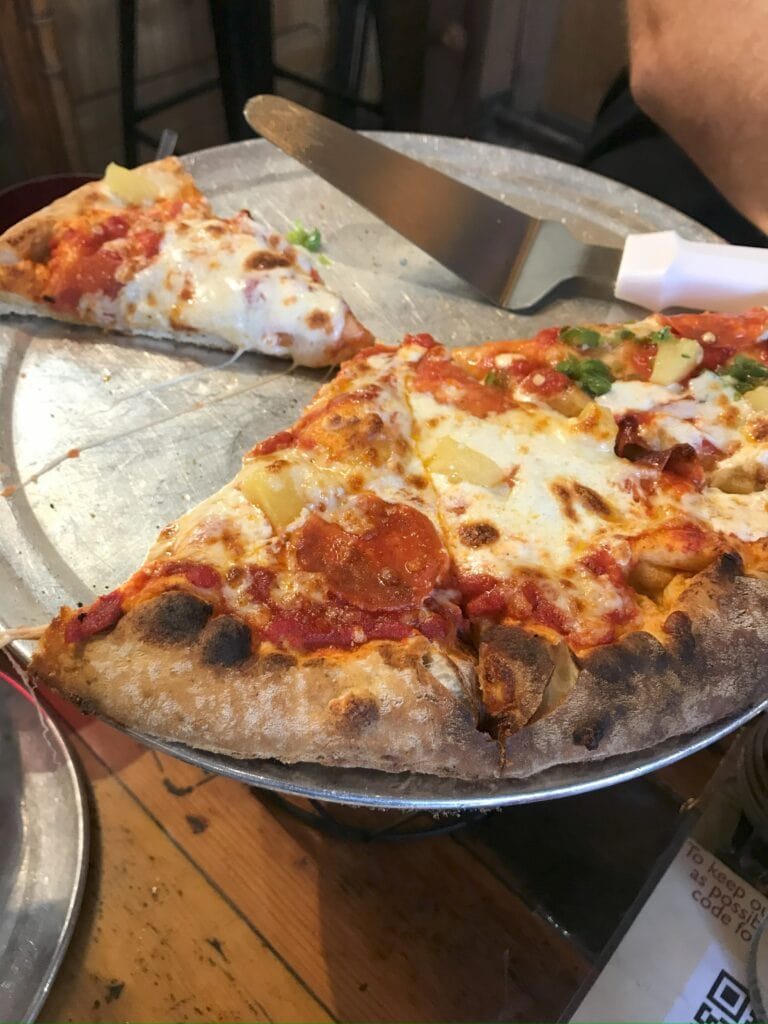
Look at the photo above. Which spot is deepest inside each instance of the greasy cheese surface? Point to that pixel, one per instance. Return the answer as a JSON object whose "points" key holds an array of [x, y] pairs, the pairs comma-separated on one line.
{"points": [[541, 520], [368, 419], [233, 281], [522, 494]]}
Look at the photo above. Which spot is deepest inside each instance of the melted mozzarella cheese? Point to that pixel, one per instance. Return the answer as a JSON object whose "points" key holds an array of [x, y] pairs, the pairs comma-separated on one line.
{"points": [[200, 281], [739, 515], [637, 396], [222, 530], [543, 520], [706, 409]]}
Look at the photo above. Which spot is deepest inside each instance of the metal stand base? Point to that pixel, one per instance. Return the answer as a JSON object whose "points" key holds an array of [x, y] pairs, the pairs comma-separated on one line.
{"points": [[366, 825]]}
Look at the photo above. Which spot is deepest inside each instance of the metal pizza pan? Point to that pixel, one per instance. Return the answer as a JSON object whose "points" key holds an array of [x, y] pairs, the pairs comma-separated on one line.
{"points": [[43, 853], [122, 434]]}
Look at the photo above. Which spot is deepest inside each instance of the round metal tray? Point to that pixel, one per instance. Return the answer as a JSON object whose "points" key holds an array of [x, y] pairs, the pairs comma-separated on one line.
{"points": [[149, 452], [43, 854]]}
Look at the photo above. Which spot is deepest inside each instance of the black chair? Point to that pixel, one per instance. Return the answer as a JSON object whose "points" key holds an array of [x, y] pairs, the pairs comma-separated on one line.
{"points": [[242, 31]]}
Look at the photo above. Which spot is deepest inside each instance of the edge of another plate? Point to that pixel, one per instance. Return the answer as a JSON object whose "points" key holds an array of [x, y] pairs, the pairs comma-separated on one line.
{"points": [[50, 874]]}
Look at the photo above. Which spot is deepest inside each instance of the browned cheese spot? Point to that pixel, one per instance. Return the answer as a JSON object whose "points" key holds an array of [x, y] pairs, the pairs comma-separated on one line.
{"points": [[354, 710], [417, 481], [319, 320], [266, 261], [130, 309], [759, 429], [187, 292], [592, 501], [151, 299], [565, 498], [234, 575], [169, 531], [477, 535], [215, 230]]}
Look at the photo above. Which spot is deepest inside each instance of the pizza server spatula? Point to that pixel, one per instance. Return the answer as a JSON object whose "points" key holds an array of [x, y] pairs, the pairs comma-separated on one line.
{"points": [[513, 259]]}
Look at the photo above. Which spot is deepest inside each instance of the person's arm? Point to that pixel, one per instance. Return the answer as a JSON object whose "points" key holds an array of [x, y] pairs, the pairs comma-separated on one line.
{"points": [[699, 69]]}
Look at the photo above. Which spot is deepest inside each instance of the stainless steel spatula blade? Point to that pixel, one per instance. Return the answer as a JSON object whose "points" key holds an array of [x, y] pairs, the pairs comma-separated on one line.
{"points": [[513, 259]]}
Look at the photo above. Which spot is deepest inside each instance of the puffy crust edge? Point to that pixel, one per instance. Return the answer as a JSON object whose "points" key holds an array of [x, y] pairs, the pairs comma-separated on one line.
{"points": [[406, 706], [709, 661]]}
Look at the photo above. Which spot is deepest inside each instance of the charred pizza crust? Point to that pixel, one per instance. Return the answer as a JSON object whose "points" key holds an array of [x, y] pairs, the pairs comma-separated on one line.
{"points": [[709, 661], [173, 669]]}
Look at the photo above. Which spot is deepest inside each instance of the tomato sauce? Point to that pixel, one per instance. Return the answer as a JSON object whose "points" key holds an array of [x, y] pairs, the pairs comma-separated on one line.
{"points": [[101, 615], [450, 384]]}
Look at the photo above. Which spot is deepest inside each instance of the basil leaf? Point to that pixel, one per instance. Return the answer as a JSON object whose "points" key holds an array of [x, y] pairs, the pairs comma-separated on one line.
{"points": [[592, 375], [584, 337], [745, 372], [625, 334], [494, 379], [298, 235]]}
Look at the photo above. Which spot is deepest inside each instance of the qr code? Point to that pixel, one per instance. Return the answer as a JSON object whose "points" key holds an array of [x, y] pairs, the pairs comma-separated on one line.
{"points": [[727, 1002]]}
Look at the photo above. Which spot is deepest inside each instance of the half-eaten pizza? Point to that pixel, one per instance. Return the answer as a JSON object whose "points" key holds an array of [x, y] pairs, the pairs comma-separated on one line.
{"points": [[471, 562]]}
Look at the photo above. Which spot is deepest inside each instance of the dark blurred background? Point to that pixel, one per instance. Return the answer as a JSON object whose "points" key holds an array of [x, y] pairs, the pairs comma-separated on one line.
{"points": [[88, 81]]}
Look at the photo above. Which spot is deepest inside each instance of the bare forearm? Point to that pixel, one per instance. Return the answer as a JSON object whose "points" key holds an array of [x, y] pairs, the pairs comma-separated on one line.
{"points": [[698, 68]]}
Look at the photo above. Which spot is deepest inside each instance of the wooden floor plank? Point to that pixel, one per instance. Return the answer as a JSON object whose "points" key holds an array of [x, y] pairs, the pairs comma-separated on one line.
{"points": [[154, 940], [415, 931]]}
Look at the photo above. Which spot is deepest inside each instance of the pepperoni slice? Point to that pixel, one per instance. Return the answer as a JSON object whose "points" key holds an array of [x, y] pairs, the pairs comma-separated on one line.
{"points": [[734, 332], [103, 613], [680, 459], [392, 563]]}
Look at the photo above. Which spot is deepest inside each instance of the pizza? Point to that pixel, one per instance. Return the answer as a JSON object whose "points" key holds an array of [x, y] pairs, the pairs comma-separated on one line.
{"points": [[473, 562], [141, 252]]}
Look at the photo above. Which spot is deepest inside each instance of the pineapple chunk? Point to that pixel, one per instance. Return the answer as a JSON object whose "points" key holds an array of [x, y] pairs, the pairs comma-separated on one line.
{"points": [[458, 463], [283, 489], [676, 360], [598, 421], [131, 186], [758, 398]]}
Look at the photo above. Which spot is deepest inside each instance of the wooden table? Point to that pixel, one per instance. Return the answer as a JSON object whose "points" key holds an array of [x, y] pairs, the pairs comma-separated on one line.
{"points": [[203, 903]]}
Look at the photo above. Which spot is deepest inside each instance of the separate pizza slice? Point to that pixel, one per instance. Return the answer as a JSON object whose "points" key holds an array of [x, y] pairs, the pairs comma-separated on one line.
{"points": [[304, 612], [141, 252], [601, 492]]}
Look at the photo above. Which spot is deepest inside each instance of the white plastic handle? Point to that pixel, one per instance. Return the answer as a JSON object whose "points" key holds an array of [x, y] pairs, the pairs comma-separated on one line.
{"points": [[661, 269]]}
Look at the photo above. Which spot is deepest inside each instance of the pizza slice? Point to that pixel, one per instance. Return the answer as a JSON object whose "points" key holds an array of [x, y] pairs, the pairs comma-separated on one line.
{"points": [[602, 495], [303, 612], [141, 252]]}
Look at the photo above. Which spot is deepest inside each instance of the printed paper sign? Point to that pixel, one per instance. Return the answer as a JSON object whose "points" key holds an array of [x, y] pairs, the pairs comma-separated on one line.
{"points": [[684, 958]]}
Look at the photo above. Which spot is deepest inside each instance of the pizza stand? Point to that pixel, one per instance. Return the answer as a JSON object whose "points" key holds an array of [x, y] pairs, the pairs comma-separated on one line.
{"points": [[114, 437]]}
